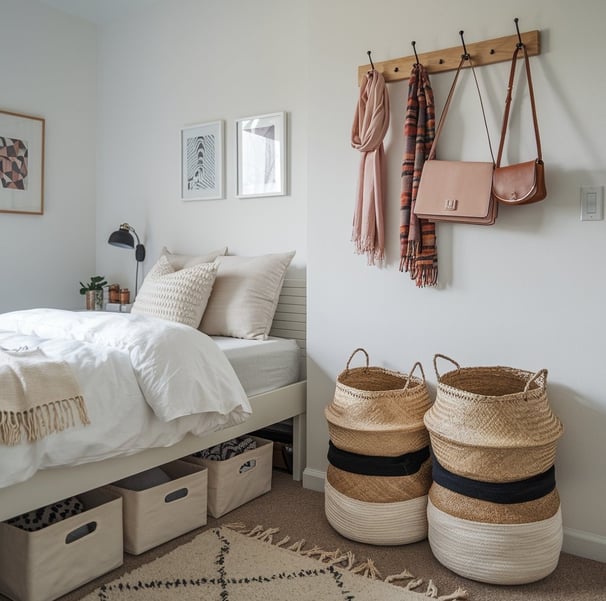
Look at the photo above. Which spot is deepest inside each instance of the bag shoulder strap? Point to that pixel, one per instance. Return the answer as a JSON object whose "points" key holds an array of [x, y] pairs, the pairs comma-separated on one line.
{"points": [[508, 104], [464, 57]]}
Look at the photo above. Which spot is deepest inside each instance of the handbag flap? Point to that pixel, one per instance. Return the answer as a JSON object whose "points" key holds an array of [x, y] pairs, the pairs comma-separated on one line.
{"points": [[515, 182], [455, 188]]}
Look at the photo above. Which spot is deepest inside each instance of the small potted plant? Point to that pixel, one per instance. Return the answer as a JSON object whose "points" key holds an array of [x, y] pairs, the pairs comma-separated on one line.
{"points": [[94, 292]]}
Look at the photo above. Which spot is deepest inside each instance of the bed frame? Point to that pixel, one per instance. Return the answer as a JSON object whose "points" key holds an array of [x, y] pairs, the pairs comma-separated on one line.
{"points": [[54, 484]]}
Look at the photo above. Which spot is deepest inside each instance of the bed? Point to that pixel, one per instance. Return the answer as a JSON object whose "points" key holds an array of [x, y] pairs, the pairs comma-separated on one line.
{"points": [[287, 402]]}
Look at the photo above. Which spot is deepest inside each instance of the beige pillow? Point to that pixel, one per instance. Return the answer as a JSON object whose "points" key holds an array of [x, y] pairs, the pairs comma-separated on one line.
{"points": [[245, 295], [179, 261], [179, 296]]}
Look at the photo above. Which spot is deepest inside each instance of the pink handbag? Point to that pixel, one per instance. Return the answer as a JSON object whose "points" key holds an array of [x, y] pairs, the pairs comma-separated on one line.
{"points": [[457, 191]]}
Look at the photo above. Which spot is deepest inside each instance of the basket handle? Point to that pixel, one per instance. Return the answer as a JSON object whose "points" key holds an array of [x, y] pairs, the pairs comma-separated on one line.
{"points": [[417, 364], [541, 372], [352, 356], [435, 363]]}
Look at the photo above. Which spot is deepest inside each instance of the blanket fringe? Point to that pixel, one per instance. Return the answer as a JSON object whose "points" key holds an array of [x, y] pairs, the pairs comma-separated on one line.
{"points": [[345, 560], [38, 422]]}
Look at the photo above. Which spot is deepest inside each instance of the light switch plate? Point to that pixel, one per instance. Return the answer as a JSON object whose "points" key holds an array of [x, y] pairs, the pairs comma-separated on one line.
{"points": [[592, 203]]}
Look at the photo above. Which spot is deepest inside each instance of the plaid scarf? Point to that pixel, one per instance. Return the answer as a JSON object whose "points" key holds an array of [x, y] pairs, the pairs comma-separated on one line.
{"points": [[418, 250]]}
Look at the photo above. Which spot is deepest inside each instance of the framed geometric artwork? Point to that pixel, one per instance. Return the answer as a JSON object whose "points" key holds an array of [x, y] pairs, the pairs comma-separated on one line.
{"points": [[262, 156], [21, 163], [202, 161]]}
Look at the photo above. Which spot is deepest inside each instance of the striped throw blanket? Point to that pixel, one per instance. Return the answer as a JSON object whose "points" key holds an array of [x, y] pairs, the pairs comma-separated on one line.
{"points": [[418, 250], [38, 396]]}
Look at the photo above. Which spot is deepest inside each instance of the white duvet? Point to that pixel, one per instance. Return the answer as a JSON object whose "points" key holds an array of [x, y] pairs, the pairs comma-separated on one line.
{"points": [[146, 383]]}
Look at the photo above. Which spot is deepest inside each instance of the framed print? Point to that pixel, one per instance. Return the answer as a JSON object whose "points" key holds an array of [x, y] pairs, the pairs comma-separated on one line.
{"points": [[202, 161], [21, 163], [261, 150]]}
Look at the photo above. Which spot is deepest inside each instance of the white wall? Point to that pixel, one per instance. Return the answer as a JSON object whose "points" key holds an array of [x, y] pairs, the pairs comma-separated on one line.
{"points": [[194, 62], [48, 69], [527, 292]]}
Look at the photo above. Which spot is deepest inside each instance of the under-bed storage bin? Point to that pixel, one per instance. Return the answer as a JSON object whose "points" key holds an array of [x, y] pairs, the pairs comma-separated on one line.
{"points": [[160, 513], [42, 565], [235, 481]]}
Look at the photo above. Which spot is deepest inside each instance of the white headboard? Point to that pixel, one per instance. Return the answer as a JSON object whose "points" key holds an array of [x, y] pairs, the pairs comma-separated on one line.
{"points": [[290, 320]]}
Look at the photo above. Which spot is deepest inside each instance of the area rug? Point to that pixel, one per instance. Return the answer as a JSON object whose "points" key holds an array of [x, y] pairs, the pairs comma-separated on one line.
{"points": [[225, 565]]}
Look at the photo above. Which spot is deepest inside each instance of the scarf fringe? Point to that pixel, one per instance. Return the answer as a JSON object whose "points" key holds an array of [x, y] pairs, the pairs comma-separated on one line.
{"points": [[38, 422], [418, 266], [366, 246], [345, 560]]}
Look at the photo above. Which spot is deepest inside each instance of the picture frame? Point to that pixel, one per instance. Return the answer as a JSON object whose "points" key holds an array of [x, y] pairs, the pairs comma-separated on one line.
{"points": [[202, 161], [261, 155], [21, 163]]}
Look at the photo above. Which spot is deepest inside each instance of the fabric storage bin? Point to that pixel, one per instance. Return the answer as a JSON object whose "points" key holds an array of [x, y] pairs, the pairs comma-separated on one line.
{"points": [[239, 479], [160, 513], [48, 563]]}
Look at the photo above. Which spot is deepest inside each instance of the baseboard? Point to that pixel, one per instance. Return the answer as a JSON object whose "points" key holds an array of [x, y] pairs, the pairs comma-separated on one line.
{"points": [[584, 544], [314, 479]]}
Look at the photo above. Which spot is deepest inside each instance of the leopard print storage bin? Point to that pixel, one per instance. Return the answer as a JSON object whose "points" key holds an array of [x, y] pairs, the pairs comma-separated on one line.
{"points": [[48, 563]]}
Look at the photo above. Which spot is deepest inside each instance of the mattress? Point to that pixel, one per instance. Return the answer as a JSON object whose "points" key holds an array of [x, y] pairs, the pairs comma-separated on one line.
{"points": [[262, 365]]}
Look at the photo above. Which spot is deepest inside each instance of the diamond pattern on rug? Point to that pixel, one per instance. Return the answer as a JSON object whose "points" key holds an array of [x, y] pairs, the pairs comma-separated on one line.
{"points": [[223, 565]]}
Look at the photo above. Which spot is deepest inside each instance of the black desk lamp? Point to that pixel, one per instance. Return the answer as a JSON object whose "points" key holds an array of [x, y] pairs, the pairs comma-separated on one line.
{"points": [[124, 239]]}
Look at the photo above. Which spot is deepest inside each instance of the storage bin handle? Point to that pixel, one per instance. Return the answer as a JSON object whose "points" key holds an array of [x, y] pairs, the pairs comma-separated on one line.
{"points": [[352, 356], [417, 364], [541, 372], [435, 363], [80, 532], [175, 495]]}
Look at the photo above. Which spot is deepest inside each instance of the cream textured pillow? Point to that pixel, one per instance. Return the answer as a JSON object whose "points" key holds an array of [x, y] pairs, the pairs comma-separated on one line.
{"points": [[176, 295], [182, 261], [245, 295]]}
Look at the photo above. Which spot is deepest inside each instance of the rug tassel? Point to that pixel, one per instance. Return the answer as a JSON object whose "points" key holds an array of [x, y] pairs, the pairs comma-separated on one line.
{"points": [[459, 594], [432, 590], [414, 584], [405, 575], [296, 547], [367, 569], [283, 541]]}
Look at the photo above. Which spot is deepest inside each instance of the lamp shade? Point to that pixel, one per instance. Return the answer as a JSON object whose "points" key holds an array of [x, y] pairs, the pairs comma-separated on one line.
{"points": [[122, 238]]}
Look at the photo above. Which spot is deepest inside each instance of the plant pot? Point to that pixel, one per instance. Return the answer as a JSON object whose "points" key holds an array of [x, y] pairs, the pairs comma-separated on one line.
{"points": [[94, 300]]}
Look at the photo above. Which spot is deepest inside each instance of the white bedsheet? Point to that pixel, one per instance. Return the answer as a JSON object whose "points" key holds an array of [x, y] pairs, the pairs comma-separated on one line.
{"points": [[146, 383], [262, 365]]}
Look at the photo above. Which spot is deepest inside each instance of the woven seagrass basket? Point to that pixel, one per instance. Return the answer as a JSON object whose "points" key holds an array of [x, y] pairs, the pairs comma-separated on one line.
{"points": [[493, 424], [376, 411], [495, 553], [381, 489], [398, 523]]}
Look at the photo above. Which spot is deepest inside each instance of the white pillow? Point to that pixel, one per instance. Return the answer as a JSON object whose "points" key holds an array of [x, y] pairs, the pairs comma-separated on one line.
{"points": [[179, 296], [245, 295], [179, 261]]}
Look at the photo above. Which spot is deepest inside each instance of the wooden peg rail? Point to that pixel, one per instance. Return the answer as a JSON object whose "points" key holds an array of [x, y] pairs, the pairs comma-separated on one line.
{"points": [[482, 53]]}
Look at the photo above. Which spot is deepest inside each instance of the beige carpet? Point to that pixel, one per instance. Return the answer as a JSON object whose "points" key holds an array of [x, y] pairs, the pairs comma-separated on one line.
{"points": [[223, 564], [299, 513]]}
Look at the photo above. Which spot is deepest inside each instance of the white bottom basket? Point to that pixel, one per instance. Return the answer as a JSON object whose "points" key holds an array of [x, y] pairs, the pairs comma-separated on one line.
{"points": [[397, 523], [495, 553]]}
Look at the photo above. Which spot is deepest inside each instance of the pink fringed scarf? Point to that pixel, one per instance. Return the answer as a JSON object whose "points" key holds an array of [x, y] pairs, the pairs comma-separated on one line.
{"points": [[369, 128]]}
